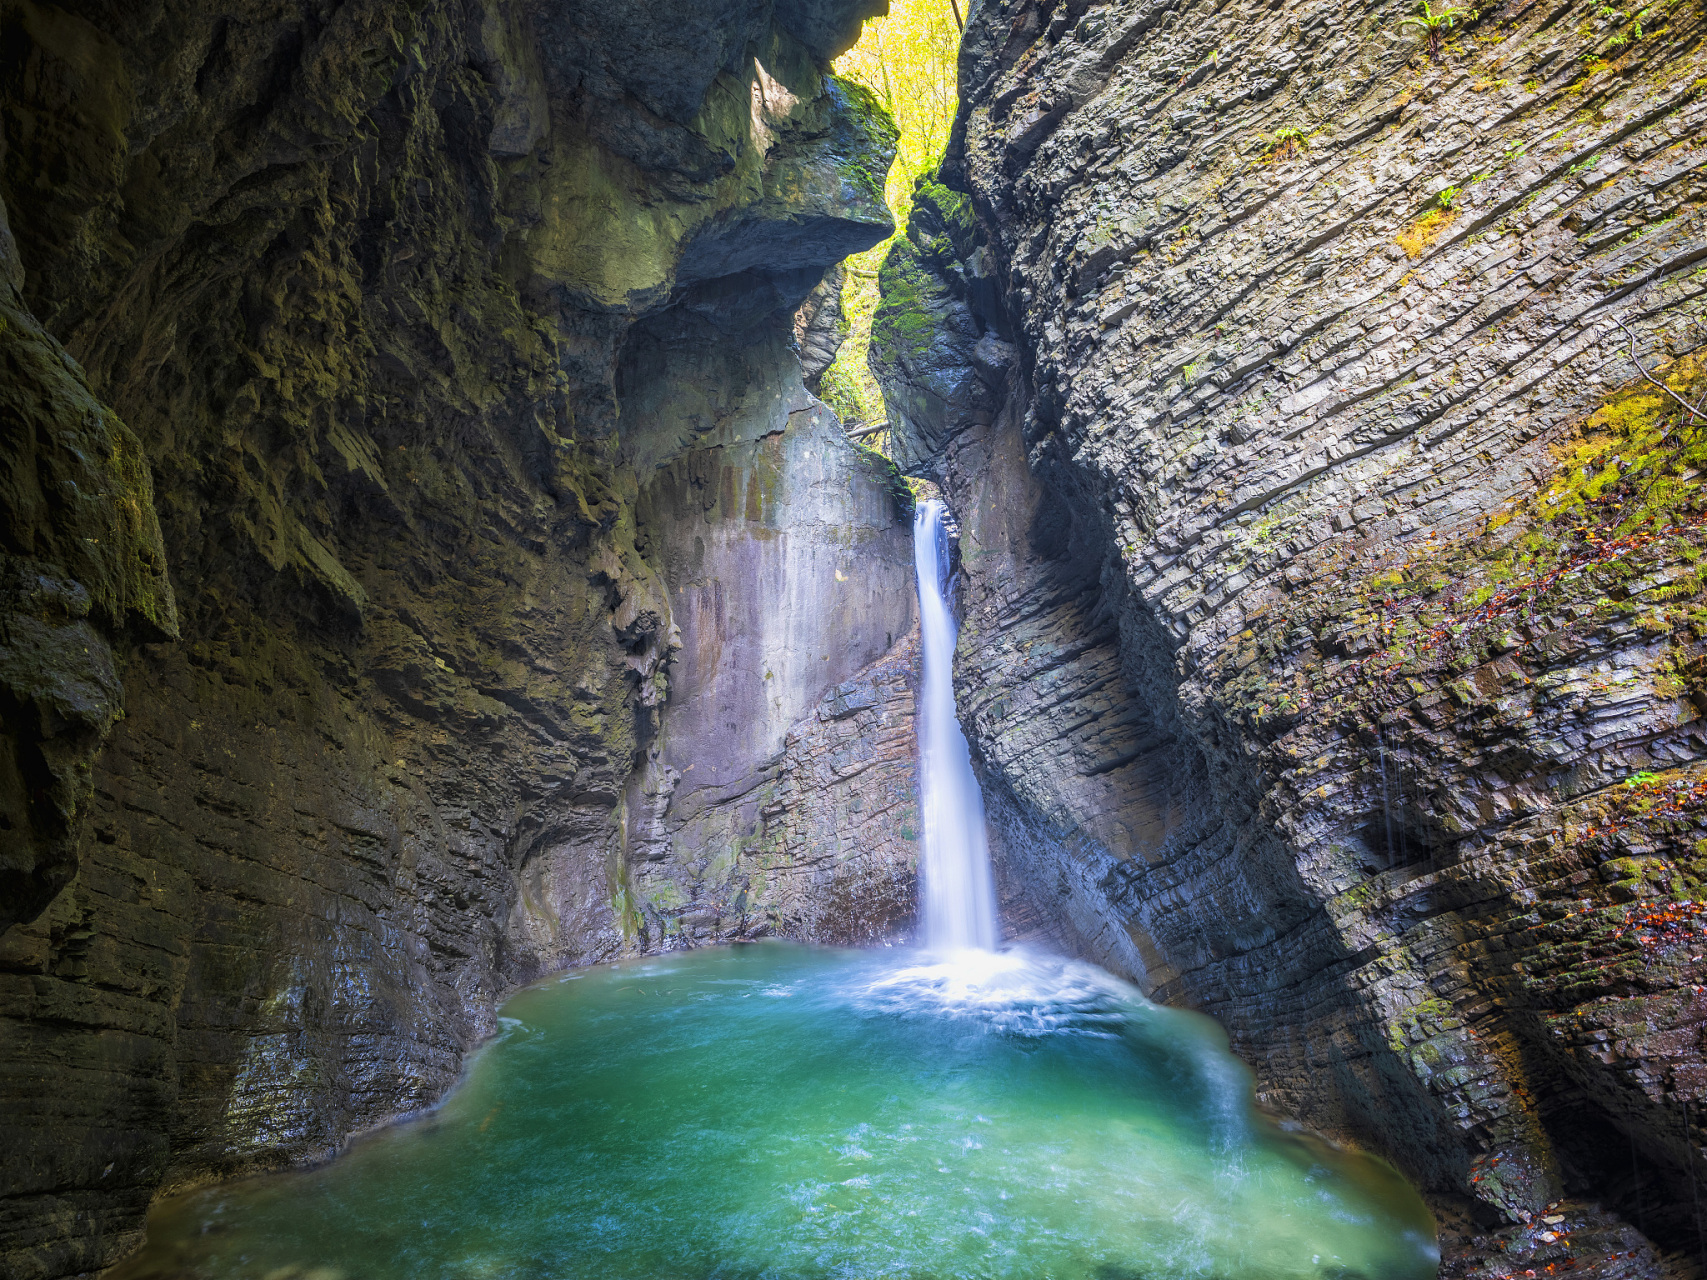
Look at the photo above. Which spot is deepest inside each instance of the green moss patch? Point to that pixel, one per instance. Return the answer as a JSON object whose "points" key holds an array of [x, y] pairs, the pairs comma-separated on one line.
{"points": [[903, 322]]}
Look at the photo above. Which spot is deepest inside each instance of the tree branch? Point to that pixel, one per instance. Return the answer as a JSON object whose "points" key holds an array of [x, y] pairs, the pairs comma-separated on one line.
{"points": [[1688, 408]]}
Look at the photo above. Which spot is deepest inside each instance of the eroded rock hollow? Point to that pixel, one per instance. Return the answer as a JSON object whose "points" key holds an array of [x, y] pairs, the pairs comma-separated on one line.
{"points": [[1331, 642]]}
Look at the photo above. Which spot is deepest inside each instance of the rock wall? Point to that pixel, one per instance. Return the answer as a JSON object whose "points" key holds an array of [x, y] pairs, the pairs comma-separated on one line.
{"points": [[1333, 630], [372, 375]]}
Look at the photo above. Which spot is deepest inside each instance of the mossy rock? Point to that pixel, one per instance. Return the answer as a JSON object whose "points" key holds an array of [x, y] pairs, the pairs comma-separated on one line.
{"points": [[911, 300]]}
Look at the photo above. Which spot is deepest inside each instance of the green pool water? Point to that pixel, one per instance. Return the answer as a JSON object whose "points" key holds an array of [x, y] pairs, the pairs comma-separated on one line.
{"points": [[779, 1111]]}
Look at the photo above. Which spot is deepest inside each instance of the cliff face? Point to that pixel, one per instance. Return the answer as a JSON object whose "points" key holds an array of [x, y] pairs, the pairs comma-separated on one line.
{"points": [[1332, 637], [402, 435]]}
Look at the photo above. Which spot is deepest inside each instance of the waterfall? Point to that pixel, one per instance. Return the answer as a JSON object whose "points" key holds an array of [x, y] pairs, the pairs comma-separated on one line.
{"points": [[956, 888]]}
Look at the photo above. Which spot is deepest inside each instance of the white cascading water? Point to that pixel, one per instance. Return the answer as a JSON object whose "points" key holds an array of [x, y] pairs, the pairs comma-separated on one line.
{"points": [[957, 889]]}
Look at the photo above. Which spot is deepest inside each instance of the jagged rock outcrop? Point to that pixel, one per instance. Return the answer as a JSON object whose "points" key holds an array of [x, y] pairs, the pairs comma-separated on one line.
{"points": [[84, 568], [371, 377], [938, 346], [820, 328], [1332, 636]]}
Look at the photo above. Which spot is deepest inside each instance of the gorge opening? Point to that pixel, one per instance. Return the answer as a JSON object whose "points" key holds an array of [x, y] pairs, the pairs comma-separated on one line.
{"points": [[778, 1111]]}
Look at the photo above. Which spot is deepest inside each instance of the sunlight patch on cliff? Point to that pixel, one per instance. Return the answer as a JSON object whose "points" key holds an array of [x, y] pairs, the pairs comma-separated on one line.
{"points": [[908, 60]]}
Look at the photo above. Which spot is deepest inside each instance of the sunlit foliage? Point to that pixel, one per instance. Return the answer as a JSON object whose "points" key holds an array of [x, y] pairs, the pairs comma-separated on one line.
{"points": [[908, 60]]}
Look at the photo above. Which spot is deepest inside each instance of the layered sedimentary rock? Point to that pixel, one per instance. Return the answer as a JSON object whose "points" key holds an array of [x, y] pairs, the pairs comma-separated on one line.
{"points": [[1333, 634], [372, 378]]}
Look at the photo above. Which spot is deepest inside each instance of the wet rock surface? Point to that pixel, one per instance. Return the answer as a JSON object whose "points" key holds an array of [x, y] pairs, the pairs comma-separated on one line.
{"points": [[1329, 588], [340, 348]]}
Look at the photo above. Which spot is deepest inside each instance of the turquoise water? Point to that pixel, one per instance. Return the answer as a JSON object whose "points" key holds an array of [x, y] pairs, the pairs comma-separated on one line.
{"points": [[788, 1112]]}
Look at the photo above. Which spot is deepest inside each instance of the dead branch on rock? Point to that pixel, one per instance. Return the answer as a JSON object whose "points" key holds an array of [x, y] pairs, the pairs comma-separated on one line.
{"points": [[1694, 410]]}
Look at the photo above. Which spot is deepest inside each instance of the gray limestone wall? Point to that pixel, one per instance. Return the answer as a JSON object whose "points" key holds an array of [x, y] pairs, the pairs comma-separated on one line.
{"points": [[1328, 589]]}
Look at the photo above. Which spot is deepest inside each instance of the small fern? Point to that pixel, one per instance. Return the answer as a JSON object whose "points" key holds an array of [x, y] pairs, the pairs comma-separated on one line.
{"points": [[1434, 22], [1285, 143]]}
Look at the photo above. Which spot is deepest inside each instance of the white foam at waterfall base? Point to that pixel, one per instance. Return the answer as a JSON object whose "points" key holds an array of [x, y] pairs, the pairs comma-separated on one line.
{"points": [[957, 891], [1020, 992], [1016, 991]]}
